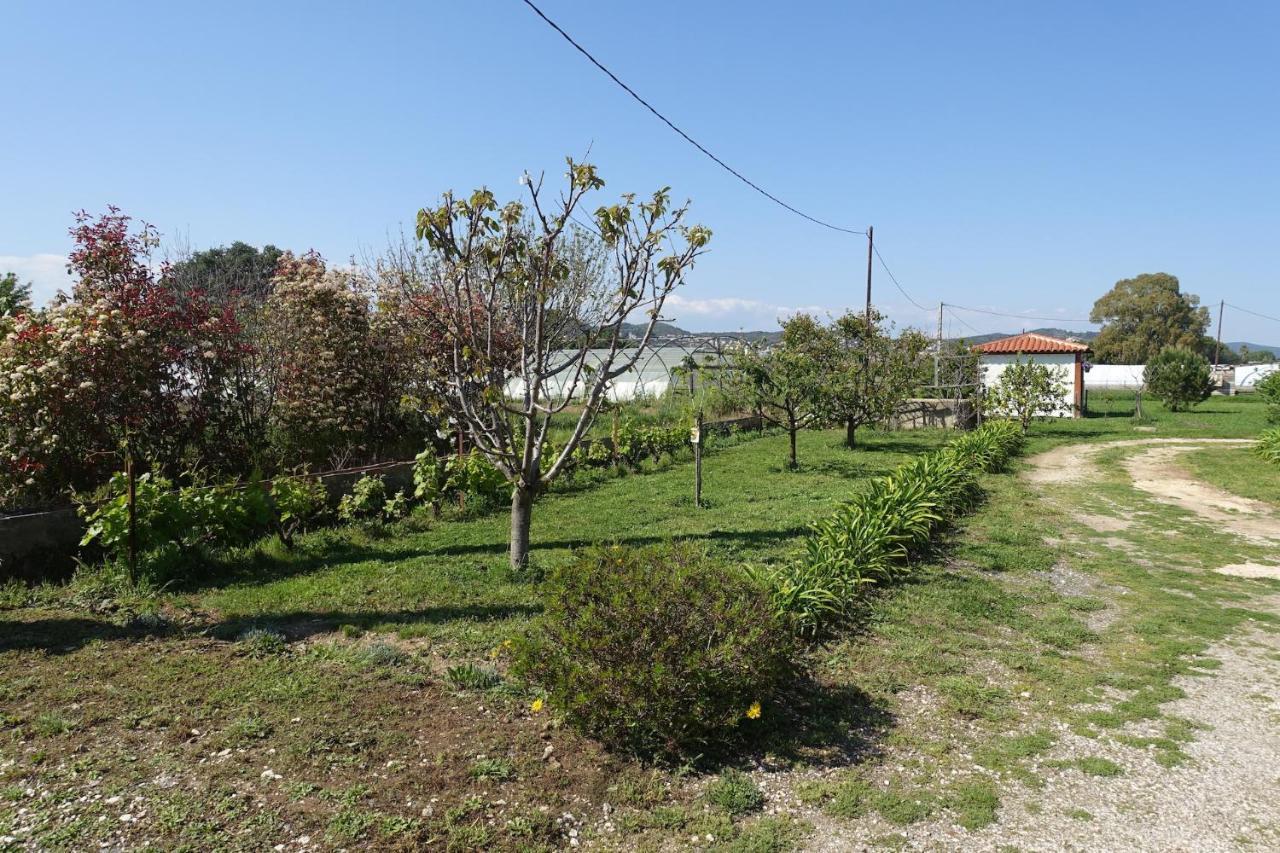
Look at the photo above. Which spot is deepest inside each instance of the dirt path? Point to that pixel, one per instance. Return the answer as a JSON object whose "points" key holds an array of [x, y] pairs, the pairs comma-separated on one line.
{"points": [[1156, 472], [1227, 796]]}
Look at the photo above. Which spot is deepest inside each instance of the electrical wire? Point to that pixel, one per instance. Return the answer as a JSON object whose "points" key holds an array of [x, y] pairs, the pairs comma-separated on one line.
{"points": [[1254, 313], [684, 135], [894, 278], [1017, 316], [961, 320]]}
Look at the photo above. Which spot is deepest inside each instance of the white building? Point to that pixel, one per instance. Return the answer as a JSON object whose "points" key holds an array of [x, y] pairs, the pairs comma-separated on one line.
{"points": [[1066, 358]]}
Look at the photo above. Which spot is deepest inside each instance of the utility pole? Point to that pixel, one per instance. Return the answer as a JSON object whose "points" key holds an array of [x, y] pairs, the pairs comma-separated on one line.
{"points": [[871, 247], [1217, 353], [937, 356]]}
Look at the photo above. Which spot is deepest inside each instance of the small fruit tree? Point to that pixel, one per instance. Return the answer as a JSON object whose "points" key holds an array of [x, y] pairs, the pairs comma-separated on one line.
{"points": [[1027, 390], [1179, 378], [874, 372], [519, 312], [785, 383]]}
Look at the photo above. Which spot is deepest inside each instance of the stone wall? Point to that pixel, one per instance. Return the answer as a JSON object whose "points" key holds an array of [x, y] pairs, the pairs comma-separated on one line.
{"points": [[923, 412]]}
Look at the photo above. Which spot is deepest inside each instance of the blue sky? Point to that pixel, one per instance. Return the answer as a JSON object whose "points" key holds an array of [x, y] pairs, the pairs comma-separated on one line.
{"points": [[1013, 156]]}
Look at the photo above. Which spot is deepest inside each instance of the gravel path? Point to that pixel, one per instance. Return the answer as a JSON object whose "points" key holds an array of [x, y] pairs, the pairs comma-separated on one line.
{"points": [[1227, 798]]}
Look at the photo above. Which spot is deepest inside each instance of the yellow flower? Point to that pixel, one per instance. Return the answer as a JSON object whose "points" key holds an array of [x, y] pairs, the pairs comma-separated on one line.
{"points": [[753, 713], [537, 705]]}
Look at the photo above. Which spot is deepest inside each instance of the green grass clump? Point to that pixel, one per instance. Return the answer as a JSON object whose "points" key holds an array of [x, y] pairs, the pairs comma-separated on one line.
{"points": [[1269, 446], [1096, 766], [736, 793]]}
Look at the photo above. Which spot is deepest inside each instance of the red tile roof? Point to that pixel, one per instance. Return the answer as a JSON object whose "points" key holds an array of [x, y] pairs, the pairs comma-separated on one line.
{"points": [[1030, 343]]}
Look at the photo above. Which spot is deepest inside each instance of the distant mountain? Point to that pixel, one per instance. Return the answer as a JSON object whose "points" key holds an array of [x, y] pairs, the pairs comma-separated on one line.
{"points": [[1053, 333], [1236, 345], [668, 330]]}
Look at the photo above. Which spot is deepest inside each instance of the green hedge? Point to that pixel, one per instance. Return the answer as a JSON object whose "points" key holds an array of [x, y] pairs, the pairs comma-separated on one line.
{"points": [[870, 539]]}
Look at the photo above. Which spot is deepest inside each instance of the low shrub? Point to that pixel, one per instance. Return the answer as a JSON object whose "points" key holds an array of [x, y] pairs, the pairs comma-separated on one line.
{"points": [[1269, 389], [193, 515], [1269, 445], [298, 502], [658, 651], [438, 479], [869, 540], [366, 500]]}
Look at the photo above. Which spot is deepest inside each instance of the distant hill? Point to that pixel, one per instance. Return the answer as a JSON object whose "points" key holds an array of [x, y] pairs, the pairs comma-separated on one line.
{"points": [[1271, 348], [668, 330], [1053, 333]]}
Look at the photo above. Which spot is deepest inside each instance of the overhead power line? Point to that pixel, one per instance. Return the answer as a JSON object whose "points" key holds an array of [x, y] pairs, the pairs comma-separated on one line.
{"points": [[1254, 313], [894, 279], [1016, 316], [962, 321], [684, 135]]}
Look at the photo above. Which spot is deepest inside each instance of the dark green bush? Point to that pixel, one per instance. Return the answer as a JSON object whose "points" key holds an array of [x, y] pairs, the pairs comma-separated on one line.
{"points": [[657, 651], [1178, 378]]}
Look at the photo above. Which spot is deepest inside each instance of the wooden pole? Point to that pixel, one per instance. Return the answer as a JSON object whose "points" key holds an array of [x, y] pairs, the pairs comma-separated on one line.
{"points": [[937, 357], [1217, 352], [130, 475], [697, 462], [871, 247]]}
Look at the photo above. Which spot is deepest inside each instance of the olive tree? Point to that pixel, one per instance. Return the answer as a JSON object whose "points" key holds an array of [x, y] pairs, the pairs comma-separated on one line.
{"points": [[520, 314]]}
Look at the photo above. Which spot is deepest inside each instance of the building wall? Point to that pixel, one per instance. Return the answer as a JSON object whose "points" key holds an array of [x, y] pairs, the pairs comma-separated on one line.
{"points": [[1063, 364], [1114, 377]]}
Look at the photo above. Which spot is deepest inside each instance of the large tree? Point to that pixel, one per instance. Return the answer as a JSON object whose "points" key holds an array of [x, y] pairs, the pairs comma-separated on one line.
{"points": [[874, 371], [227, 273], [522, 318], [1141, 316]]}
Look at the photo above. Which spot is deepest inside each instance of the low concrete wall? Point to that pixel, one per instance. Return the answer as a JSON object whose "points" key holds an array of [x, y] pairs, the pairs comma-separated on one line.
{"points": [[922, 412]]}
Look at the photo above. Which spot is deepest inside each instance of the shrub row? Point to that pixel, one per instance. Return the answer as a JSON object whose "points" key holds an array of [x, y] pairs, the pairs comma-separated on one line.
{"points": [[869, 540], [198, 514], [1269, 445]]}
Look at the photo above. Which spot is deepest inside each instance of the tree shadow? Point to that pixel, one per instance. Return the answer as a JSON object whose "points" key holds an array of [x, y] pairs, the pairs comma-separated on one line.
{"points": [[63, 635], [57, 636], [264, 568], [303, 624]]}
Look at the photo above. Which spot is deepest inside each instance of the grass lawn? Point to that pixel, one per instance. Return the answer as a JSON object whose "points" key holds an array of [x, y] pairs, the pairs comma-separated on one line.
{"points": [[1237, 470], [351, 691]]}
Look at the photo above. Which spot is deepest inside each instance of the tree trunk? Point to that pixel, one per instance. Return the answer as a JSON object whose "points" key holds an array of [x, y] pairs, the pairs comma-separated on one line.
{"points": [[521, 515], [792, 462], [849, 428]]}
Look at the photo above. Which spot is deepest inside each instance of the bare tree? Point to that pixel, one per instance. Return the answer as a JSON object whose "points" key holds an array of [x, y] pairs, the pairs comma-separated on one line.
{"points": [[519, 314]]}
